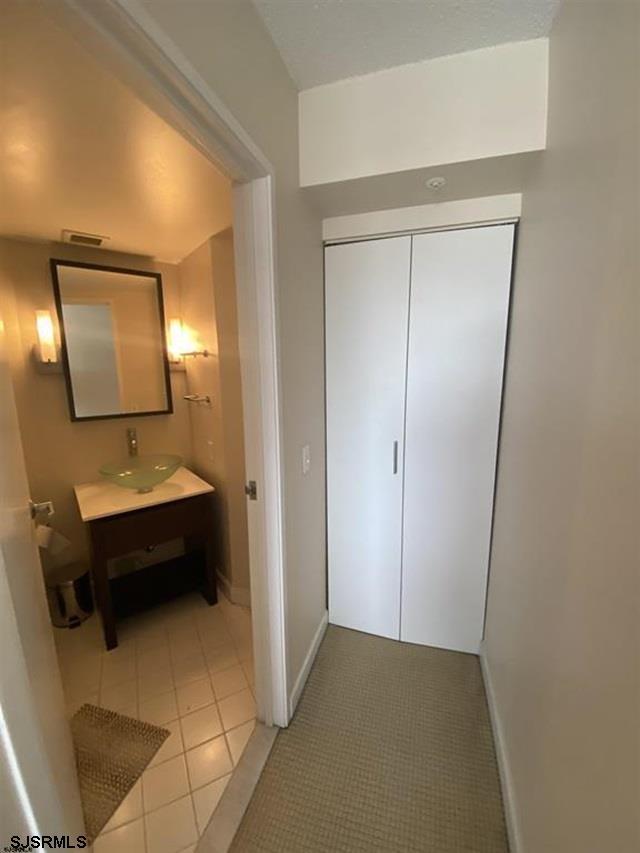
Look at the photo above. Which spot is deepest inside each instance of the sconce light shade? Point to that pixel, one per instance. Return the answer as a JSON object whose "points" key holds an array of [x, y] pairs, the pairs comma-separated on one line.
{"points": [[47, 351], [175, 343], [182, 342]]}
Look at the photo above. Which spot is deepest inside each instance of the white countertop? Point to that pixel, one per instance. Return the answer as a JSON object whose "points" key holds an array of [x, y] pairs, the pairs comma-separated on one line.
{"points": [[102, 499]]}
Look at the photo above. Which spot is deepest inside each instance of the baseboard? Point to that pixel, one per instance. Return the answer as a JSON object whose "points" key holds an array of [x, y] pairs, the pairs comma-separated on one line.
{"points": [[236, 594], [301, 680], [502, 756]]}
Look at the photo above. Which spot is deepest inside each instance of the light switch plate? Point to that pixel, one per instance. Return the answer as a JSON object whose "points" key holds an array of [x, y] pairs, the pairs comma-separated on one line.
{"points": [[306, 459]]}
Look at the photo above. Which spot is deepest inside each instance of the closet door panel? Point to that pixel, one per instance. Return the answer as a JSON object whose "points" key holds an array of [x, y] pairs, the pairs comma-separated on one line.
{"points": [[458, 320], [367, 295]]}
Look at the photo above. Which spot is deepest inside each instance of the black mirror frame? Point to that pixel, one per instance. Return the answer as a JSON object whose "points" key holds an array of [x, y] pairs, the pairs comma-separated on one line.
{"points": [[57, 262]]}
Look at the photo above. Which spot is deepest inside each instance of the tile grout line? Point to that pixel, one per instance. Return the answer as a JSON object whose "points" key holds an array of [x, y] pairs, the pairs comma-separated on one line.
{"points": [[146, 812], [236, 634], [193, 806]]}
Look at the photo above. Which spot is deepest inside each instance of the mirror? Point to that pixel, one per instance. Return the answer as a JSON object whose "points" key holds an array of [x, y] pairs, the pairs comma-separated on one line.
{"points": [[113, 340]]}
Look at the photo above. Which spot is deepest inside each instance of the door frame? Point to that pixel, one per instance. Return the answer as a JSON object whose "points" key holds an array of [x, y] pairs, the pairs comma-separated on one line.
{"points": [[128, 42]]}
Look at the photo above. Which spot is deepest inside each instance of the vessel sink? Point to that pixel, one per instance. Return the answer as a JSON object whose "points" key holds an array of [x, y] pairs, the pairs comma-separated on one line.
{"points": [[141, 473]]}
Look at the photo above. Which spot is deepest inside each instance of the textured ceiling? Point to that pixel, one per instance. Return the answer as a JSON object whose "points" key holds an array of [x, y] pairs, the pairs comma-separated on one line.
{"points": [[326, 40], [80, 151]]}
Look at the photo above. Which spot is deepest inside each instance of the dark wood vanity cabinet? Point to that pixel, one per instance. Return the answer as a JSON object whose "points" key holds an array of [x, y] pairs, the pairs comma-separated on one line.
{"points": [[190, 519]]}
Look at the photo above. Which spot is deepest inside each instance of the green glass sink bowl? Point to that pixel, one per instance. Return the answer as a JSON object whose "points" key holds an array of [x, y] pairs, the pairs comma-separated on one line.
{"points": [[141, 473]]}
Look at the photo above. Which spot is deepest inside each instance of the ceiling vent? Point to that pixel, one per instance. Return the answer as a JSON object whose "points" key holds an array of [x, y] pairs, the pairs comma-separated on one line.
{"points": [[82, 239]]}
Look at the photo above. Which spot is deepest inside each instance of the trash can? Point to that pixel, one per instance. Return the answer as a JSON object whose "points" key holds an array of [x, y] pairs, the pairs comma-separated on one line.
{"points": [[69, 595]]}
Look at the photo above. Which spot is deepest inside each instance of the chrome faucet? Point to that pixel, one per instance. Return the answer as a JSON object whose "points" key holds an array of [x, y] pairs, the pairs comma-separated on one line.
{"points": [[132, 441]]}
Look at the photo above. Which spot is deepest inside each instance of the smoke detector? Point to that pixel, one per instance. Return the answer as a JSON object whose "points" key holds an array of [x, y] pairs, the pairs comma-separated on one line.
{"points": [[81, 238], [435, 183]]}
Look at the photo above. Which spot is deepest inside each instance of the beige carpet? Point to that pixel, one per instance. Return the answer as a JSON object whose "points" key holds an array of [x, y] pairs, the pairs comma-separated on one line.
{"points": [[112, 751], [390, 750]]}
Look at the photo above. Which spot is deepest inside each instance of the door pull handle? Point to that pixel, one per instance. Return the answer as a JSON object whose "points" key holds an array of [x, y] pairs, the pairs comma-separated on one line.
{"points": [[395, 457]]}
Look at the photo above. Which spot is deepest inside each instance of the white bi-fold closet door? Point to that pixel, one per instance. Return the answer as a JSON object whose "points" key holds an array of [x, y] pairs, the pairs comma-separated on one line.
{"points": [[415, 341], [367, 309]]}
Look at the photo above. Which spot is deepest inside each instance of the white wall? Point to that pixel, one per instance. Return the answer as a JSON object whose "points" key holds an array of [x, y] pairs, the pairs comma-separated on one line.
{"points": [[471, 106], [563, 624], [230, 48]]}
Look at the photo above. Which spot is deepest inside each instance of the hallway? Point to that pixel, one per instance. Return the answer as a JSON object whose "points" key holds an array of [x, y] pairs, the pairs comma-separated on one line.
{"points": [[390, 750]]}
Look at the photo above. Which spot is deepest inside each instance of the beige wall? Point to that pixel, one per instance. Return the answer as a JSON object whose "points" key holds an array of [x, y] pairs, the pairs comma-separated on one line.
{"points": [[207, 289], [562, 626], [227, 44], [59, 452]]}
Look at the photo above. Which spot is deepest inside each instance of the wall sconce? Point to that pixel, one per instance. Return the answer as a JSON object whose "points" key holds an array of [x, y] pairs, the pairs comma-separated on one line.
{"points": [[175, 340], [46, 337], [182, 343], [45, 352]]}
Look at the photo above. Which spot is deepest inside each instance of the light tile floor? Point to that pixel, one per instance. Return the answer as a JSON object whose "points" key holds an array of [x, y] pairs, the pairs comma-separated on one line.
{"points": [[185, 666]]}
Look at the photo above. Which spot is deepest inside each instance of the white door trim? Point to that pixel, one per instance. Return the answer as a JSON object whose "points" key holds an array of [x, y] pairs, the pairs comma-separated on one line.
{"points": [[127, 40]]}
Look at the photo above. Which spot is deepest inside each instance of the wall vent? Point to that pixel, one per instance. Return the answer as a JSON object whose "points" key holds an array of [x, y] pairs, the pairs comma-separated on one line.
{"points": [[82, 239]]}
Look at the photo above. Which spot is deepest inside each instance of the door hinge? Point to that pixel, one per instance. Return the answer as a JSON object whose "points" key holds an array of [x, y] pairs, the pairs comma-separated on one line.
{"points": [[251, 490]]}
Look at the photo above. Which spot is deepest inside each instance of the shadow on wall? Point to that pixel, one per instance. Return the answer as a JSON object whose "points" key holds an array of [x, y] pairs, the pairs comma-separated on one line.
{"points": [[208, 305]]}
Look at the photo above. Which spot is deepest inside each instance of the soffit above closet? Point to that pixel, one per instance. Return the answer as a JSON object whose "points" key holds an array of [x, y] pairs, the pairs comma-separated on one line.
{"points": [[81, 152], [322, 41], [495, 176]]}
